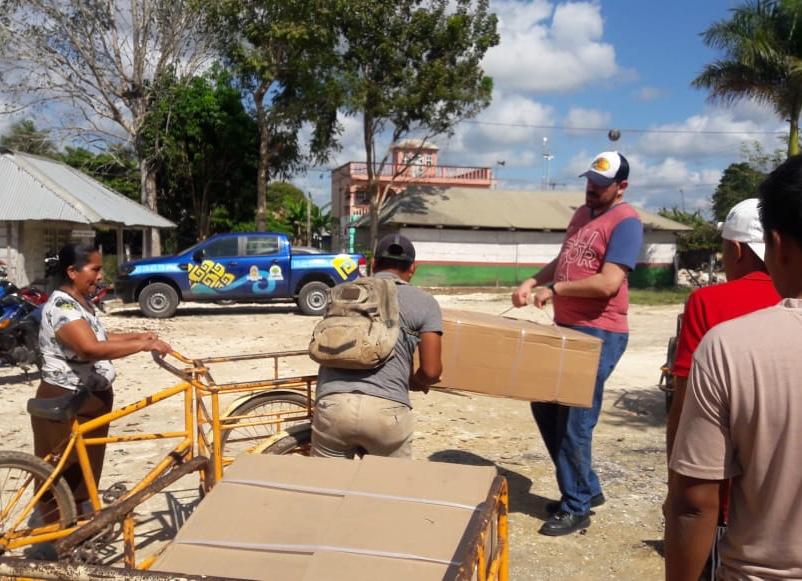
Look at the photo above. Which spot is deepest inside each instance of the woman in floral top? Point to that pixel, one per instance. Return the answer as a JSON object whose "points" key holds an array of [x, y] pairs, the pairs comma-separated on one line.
{"points": [[77, 350]]}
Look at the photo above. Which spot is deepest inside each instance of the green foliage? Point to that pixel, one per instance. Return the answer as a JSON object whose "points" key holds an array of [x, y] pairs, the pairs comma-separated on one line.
{"points": [[762, 43], [738, 182], [23, 136], [116, 168], [704, 236], [283, 53], [203, 144], [413, 65]]}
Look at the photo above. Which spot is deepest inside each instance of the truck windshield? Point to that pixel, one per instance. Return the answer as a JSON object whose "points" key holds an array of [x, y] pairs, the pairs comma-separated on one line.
{"points": [[191, 248]]}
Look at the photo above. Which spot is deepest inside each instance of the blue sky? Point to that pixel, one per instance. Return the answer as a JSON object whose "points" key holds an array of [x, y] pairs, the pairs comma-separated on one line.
{"points": [[569, 71], [598, 65]]}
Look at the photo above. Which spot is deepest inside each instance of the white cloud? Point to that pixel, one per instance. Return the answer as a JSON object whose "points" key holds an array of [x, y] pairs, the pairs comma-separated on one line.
{"points": [[714, 132], [579, 118], [505, 137], [538, 55], [655, 184]]}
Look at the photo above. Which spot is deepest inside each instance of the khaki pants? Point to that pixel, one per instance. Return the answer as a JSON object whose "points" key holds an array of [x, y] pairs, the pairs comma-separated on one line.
{"points": [[49, 436], [347, 424]]}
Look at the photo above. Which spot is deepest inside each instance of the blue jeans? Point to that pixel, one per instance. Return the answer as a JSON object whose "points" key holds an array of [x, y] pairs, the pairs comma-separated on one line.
{"points": [[568, 431]]}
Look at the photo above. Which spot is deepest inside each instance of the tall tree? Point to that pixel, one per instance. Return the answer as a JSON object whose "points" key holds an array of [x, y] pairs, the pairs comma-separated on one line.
{"points": [[412, 66], [116, 167], [762, 42], [705, 236], [94, 61], [25, 137], [204, 143], [283, 51], [738, 182]]}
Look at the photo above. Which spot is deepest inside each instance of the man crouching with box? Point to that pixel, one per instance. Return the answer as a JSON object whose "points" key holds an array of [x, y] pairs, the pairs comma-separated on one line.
{"points": [[587, 283]]}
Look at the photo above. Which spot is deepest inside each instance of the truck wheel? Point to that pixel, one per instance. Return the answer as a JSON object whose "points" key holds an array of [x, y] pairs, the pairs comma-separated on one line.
{"points": [[313, 298], [158, 300]]}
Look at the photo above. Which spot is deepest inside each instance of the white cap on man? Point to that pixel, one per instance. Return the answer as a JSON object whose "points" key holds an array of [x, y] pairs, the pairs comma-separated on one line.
{"points": [[743, 225], [606, 168]]}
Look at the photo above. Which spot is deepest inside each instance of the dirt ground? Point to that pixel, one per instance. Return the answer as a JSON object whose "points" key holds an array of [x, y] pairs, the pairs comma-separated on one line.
{"points": [[624, 540]]}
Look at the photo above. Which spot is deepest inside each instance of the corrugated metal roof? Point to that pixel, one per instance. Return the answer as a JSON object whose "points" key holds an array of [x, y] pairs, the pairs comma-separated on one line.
{"points": [[498, 209], [36, 188]]}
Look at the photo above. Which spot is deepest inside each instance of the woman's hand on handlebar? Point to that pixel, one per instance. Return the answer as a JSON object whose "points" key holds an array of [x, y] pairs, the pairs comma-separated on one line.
{"points": [[158, 345]]}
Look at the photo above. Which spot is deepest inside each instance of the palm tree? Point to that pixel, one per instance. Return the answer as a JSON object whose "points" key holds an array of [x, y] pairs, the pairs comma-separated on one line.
{"points": [[763, 46]]}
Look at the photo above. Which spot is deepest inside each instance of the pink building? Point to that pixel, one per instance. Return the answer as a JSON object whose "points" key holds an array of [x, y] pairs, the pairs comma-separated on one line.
{"points": [[412, 163]]}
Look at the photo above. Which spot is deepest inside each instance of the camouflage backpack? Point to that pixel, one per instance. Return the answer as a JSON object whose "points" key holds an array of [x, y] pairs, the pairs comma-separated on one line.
{"points": [[361, 325]]}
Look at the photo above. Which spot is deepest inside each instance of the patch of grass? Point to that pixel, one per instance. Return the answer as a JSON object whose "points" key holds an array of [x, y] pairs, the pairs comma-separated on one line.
{"points": [[661, 296]]}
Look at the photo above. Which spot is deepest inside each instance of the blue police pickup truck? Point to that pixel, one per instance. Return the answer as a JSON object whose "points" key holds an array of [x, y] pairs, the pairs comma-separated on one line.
{"points": [[238, 267]]}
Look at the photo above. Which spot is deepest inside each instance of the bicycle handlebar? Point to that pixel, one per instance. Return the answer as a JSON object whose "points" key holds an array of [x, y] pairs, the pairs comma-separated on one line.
{"points": [[159, 359]]}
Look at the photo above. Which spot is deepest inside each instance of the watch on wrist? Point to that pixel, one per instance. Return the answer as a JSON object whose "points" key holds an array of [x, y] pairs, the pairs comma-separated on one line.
{"points": [[550, 286]]}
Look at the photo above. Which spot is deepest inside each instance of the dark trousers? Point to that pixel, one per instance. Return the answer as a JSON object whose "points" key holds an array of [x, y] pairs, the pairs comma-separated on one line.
{"points": [[568, 431], [50, 437]]}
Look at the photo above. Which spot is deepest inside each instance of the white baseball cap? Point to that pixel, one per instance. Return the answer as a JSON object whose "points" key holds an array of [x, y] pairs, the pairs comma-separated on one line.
{"points": [[606, 168], [743, 225]]}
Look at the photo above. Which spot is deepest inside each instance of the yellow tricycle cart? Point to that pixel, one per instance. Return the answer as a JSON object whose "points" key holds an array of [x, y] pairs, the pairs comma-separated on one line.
{"points": [[220, 421]]}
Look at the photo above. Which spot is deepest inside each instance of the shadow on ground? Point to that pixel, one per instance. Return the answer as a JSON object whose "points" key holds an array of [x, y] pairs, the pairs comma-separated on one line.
{"points": [[154, 527], [657, 546], [644, 407], [216, 311], [521, 499], [30, 378]]}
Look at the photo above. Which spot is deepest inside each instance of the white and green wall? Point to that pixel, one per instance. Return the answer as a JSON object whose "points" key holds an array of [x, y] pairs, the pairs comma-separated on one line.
{"points": [[468, 257]]}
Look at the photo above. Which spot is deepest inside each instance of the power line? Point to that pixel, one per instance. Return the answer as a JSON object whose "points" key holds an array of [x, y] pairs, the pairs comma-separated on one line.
{"points": [[625, 130]]}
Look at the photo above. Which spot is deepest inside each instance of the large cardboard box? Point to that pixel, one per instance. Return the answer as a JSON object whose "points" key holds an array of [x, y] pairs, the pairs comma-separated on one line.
{"points": [[520, 359], [293, 517]]}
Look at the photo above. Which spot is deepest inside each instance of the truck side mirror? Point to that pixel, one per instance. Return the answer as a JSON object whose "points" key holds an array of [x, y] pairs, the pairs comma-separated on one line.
{"points": [[197, 256]]}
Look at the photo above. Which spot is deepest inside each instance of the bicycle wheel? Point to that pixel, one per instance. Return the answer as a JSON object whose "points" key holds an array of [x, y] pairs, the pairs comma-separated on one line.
{"points": [[21, 475], [265, 406], [297, 441]]}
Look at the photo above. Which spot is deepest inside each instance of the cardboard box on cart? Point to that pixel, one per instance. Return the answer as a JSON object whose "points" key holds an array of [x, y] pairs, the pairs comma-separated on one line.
{"points": [[293, 517], [519, 359]]}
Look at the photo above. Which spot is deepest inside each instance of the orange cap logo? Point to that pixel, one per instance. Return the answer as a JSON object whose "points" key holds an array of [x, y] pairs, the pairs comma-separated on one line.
{"points": [[601, 164]]}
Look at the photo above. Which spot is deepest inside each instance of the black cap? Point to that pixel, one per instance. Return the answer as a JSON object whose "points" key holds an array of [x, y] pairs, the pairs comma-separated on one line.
{"points": [[396, 247]]}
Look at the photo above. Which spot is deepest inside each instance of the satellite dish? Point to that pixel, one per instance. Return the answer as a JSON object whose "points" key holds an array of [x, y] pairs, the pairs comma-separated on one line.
{"points": [[613, 135]]}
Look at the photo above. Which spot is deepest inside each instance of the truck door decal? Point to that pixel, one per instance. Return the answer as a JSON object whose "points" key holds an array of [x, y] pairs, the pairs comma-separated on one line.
{"points": [[210, 276], [344, 265], [209, 273]]}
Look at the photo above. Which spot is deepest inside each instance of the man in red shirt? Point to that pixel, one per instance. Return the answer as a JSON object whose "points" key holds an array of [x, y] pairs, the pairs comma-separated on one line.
{"points": [[748, 288]]}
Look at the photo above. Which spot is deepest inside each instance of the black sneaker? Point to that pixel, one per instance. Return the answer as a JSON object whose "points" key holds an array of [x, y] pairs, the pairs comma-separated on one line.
{"points": [[598, 500], [564, 523]]}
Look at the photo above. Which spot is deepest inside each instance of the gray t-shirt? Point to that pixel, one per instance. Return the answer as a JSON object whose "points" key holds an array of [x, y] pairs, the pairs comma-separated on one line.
{"points": [[420, 313]]}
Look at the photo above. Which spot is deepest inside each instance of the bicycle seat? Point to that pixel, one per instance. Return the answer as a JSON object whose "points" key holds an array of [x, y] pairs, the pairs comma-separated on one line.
{"points": [[57, 409]]}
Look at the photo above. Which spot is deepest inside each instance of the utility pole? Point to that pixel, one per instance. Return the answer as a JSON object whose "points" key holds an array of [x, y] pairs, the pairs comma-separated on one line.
{"points": [[309, 219], [547, 157], [682, 195]]}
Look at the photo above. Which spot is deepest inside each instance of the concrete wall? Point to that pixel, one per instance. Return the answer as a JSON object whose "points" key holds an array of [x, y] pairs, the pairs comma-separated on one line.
{"points": [[449, 257], [10, 250], [23, 246]]}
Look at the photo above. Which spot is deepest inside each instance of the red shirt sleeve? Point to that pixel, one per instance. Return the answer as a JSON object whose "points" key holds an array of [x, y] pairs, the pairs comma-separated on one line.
{"points": [[694, 327]]}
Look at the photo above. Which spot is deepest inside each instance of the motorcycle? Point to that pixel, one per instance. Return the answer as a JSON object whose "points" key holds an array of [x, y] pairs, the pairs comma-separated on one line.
{"points": [[19, 332], [20, 318]]}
